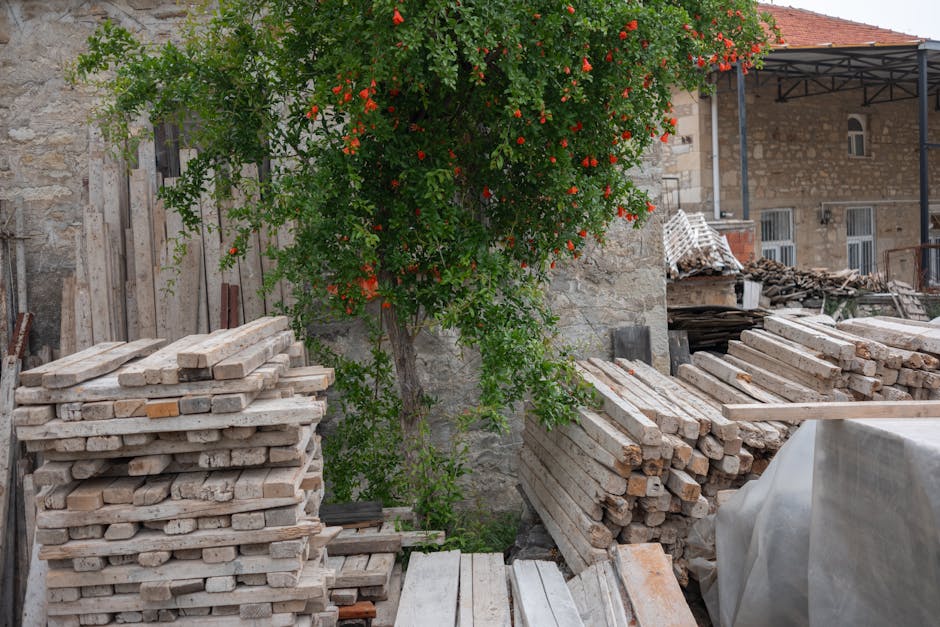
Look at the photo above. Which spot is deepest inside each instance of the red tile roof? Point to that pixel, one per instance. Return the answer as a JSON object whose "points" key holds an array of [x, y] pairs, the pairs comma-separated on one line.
{"points": [[806, 29]]}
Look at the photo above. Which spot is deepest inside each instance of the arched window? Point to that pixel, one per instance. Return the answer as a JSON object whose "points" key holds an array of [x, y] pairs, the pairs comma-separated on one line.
{"points": [[857, 132]]}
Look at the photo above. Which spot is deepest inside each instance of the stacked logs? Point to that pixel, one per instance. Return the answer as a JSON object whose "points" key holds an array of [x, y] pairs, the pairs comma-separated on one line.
{"points": [[641, 468], [783, 283], [181, 483]]}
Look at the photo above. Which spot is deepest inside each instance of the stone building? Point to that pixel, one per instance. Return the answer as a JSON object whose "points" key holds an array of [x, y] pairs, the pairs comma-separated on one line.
{"points": [[832, 146], [44, 148]]}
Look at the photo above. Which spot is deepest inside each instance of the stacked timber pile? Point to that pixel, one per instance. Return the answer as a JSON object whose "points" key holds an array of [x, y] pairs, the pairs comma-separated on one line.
{"points": [[642, 468], [783, 284], [799, 360], [710, 327], [363, 555], [181, 483], [694, 248]]}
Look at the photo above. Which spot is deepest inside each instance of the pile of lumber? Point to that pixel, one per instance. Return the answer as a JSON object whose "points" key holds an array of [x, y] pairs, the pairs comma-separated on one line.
{"points": [[632, 586], [710, 327], [693, 248], [131, 278], [783, 284], [363, 554], [635, 587], [182, 482], [643, 467], [800, 360]]}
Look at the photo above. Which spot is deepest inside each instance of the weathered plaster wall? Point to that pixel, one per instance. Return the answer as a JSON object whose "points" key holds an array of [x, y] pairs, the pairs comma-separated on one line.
{"points": [[43, 130], [43, 148], [798, 158]]}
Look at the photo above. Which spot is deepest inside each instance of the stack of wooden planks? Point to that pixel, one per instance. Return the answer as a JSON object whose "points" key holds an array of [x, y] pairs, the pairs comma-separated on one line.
{"points": [[643, 467], [140, 272], [478, 590], [801, 360], [181, 482], [711, 327], [635, 587], [363, 557]]}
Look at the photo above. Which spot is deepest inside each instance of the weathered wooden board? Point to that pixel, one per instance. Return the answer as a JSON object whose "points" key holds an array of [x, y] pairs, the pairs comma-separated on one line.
{"points": [[429, 596]]}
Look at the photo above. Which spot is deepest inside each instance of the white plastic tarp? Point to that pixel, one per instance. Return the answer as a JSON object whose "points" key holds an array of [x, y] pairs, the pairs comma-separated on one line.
{"points": [[843, 528]]}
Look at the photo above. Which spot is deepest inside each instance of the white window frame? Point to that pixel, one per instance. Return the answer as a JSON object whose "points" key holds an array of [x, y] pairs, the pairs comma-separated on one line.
{"points": [[864, 266], [933, 255], [855, 136], [780, 249]]}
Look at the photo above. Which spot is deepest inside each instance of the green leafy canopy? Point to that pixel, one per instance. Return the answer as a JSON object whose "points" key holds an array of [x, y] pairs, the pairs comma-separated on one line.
{"points": [[434, 156]]}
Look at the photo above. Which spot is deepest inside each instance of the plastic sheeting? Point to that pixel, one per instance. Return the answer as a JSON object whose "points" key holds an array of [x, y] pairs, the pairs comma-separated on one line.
{"points": [[843, 528]]}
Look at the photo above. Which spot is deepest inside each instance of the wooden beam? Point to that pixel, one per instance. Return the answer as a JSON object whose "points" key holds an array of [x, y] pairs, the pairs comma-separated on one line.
{"points": [[888, 410]]}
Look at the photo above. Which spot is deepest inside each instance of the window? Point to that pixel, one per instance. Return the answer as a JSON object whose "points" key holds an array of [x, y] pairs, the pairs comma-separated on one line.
{"points": [[857, 132], [776, 234], [934, 253], [860, 235]]}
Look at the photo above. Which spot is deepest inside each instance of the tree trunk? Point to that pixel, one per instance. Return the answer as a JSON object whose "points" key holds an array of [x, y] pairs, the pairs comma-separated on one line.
{"points": [[406, 367]]}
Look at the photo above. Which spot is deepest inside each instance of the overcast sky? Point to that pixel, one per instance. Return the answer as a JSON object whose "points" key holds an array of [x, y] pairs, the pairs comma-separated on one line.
{"points": [[914, 17]]}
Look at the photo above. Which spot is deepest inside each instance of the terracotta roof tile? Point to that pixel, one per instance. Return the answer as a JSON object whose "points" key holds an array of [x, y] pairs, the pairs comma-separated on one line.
{"points": [[801, 28]]}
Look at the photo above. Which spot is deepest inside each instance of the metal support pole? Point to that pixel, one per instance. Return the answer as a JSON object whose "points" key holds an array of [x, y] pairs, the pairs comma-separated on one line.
{"points": [[742, 130], [716, 172], [924, 173]]}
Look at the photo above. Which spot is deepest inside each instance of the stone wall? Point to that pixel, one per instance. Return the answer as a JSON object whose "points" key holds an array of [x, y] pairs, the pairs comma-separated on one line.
{"points": [[43, 163], [798, 159], [44, 130]]}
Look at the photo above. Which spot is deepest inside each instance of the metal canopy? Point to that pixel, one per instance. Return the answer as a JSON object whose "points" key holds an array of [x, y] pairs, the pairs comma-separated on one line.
{"points": [[882, 73]]}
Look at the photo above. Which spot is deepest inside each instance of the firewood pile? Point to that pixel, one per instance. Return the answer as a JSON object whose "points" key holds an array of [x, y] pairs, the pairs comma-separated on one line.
{"points": [[181, 483], [783, 284], [643, 468], [693, 248]]}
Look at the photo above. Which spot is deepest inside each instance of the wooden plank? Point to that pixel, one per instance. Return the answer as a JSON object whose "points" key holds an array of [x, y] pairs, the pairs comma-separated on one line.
{"points": [[213, 350], [151, 540], [529, 595], [743, 352], [98, 365], [646, 573], [559, 597], [489, 591], [107, 388], [244, 362], [140, 202], [67, 317], [33, 376], [825, 344], [790, 390], [641, 428], [99, 290], [283, 411], [312, 586], [348, 513], [869, 410], [11, 367], [465, 594], [429, 596], [171, 571], [786, 353], [607, 479], [732, 375], [387, 610]]}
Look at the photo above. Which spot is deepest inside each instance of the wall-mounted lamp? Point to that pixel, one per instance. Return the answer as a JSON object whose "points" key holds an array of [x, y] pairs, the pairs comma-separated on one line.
{"points": [[825, 215]]}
